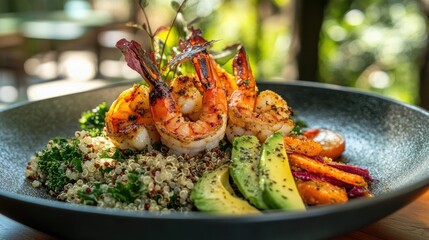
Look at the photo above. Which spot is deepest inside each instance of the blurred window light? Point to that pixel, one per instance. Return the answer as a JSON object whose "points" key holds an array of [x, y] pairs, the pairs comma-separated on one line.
{"points": [[128, 73], [109, 38], [77, 8], [8, 94], [117, 69], [379, 79], [61, 87], [78, 65], [354, 17], [111, 68], [31, 64], [47, 70], [121, 10], [43, 66], [52, 30]]}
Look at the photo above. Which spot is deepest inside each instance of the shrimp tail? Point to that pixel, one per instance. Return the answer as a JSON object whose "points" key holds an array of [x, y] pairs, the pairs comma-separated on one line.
{"points": [[142, 62], [242, 70], [205, 71]]}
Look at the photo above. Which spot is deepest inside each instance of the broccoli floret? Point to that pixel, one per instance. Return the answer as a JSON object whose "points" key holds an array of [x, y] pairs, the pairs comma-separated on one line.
{"points": [[93, 120], [60, 154]]}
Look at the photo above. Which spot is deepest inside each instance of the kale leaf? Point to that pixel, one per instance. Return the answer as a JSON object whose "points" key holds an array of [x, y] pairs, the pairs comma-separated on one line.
{"points": [[55, 160], [93, 120], [128, 192], [119, 155], [90, 197]]}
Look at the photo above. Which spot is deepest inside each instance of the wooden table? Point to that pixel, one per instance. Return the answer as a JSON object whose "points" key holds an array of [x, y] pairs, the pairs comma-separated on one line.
{"points": [[409, 223]]}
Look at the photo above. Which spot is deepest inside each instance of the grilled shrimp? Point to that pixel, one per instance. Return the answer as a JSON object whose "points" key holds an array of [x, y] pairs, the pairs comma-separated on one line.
{"points": [[129, 121], [250, 113], [226, 80], [187, 95], [177, 132]]}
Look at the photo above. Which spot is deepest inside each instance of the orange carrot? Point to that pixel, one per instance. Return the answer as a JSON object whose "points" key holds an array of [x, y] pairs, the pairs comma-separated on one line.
{"points": [[316, 192], [317, 167], [303, 145]]}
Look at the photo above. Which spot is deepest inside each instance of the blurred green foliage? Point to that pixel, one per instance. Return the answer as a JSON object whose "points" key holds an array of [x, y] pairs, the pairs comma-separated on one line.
{"points": [[8, 6], [260, 26], [265, 38], [371, 45], [374, 45]]}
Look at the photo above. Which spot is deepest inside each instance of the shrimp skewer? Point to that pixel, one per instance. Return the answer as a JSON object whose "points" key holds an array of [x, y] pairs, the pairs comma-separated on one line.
{"points": [[177, 132], [129, 122], [252, 113]]}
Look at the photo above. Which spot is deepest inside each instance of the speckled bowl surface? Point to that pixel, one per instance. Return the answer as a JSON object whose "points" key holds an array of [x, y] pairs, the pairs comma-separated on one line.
{"points": [[389, 138]]}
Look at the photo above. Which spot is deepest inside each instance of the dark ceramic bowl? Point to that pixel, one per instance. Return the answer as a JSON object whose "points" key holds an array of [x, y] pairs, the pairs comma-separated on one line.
{"points": [[387, 137]]}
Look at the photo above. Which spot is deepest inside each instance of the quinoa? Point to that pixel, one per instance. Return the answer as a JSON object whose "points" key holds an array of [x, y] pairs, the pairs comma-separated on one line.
{"points": [[151, 180]]}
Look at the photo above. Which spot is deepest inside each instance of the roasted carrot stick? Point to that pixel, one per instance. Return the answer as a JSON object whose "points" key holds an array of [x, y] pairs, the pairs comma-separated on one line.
{"points": [[303, 145], [317, 167]]}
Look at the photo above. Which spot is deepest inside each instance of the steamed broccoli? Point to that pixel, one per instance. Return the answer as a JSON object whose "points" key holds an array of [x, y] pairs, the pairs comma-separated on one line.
{"points": [[58, 156], [93, 120]]}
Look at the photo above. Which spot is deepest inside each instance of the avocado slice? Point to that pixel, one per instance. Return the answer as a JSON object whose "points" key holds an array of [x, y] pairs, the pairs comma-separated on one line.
{"points": [[244, 169], [213, 193], [279, 187]]}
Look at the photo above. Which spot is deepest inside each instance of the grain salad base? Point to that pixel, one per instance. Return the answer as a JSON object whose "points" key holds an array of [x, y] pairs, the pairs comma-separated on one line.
{"points": [[160, 181]]}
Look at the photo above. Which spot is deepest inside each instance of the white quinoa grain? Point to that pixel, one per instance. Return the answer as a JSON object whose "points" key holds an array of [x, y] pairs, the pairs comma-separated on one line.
{"points": [[36, 184], [166, 180]]}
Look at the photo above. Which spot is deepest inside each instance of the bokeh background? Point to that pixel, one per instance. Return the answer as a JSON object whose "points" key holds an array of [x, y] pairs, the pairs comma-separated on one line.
{"points": [[55, 47]]}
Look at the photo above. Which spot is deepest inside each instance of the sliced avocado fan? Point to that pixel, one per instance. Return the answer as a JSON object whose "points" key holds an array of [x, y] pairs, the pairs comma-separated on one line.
{"points": [[213, 193]]}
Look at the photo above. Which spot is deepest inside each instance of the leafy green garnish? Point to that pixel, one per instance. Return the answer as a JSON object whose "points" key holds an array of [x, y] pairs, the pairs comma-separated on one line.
{"points": [[91, 197], [54, 160], [128, 192], [118, 155], [125, 193], [300, 125], [93, 120], [105, 170], [173, 203]]}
